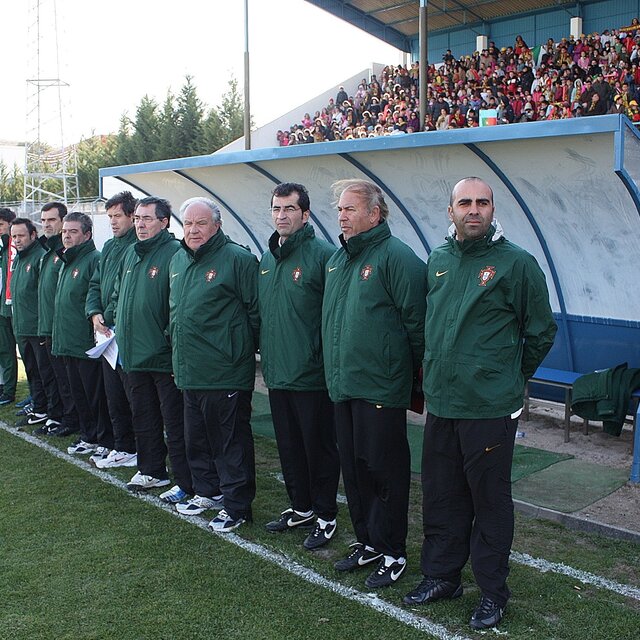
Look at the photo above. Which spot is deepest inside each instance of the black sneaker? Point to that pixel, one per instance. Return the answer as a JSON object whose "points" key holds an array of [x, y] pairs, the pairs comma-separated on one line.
{"points": [[27, 409], [361, 556], [6, 400], [487, 614], [36, 418], [63, 430], [432, 589], [42, 430], [289, 519], [389, 571], [320, 535]]}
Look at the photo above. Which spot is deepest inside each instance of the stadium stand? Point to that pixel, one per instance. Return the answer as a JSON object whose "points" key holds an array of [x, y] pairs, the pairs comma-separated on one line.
{"points": [[575, 77]]}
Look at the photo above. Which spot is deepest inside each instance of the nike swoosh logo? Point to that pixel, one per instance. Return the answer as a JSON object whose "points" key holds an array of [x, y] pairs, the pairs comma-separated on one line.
{"points": [[264, 271], [173, 275], [332, 269], [441, 273], [230, 395], [396, 574], [487, 449]]}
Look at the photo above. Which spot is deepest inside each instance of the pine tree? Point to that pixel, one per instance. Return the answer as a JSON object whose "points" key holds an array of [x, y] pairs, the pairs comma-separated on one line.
{"points": [[168, 134], [231, 113], [145, 138], [190, 114]]}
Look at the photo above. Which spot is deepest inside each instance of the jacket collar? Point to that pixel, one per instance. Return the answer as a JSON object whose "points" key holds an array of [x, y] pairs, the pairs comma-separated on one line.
{"points": [[25, 252], [359, 243], [142, 247], [212, 244], [73, 253], [127, 238], [51, 244], [494, 235], [279, 251]]}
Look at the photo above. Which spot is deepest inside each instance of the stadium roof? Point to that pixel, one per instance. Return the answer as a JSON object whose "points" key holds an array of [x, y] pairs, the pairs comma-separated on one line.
{"points": [[396, 21]]}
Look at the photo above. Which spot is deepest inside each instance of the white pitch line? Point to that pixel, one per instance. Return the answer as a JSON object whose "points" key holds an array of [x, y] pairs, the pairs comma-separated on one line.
{"points": [[370, 600], [544, 566]]}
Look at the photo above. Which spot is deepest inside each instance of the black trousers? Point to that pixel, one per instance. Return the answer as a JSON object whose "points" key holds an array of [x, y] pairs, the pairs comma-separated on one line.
{"points": [[156, 407], [42, 380], [306, 437], [87, 390], [467, 504], [70, 416], [119, 409], [219, 439], [376, 469]]}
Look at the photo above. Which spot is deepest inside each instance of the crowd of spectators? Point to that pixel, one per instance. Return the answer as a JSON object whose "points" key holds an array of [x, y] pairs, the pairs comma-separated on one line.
{"points": [[575, 77]]}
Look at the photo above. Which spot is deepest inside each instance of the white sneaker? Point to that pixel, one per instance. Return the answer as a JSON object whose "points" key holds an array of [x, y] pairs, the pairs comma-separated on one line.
{"points": [[173, 495], [100, 454], [198, 504], [82, 447], [140, 481], [118, 459]]}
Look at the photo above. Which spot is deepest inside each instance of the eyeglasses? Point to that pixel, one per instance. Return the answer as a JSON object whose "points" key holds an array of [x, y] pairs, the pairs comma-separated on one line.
{"points": [[144, 219], [288, 209]]}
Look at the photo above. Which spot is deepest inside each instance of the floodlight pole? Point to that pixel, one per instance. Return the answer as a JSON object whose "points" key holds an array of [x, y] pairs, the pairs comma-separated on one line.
{"points": [[423, 62], [247, 103]]}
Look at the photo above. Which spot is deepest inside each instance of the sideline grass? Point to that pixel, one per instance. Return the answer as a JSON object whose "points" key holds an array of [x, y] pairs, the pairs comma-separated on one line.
{"points": [[177, 581], [81, 559]]}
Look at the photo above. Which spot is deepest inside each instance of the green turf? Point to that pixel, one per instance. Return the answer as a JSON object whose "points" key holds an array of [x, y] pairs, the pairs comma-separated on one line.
{"points": [[81, 559], [569, 485], [528, 460]]}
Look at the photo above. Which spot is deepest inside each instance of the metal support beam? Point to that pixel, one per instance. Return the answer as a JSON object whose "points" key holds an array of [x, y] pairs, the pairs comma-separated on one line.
{"points": [[423, 62]]}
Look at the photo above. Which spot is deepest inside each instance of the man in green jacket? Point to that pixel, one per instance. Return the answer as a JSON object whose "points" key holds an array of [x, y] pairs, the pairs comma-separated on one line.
{"points": [[373, 340], [214, 336], [73, 336], [47, 407], [8, 359], [488, 327], [290, 289], [51, 217], [99, 309], [141, 302]]}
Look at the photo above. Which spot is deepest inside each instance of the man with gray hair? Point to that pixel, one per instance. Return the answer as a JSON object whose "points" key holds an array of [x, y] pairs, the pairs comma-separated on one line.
{"points": [[372, 336], [213, 306]]}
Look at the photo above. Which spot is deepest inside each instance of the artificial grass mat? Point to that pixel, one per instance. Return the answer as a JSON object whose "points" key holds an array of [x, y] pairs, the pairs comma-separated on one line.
{"points": [[569, 485], [526, 460]]}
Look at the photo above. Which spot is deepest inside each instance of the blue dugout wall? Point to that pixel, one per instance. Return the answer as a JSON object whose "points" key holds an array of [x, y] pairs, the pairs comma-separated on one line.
{"points": [[565, 190], [535, 27]]}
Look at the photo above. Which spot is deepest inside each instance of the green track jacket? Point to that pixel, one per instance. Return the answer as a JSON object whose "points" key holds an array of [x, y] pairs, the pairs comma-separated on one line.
{"points": [[488, 327], [102, 285], [72, 332], [290, 288], [141, 301], [24, 290], [373, 319], [214, 315], [50, 264]]}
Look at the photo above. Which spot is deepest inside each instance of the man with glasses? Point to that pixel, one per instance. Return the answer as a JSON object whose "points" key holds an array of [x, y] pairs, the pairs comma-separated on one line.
{"points": [[141, 326], [290, 290]]}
